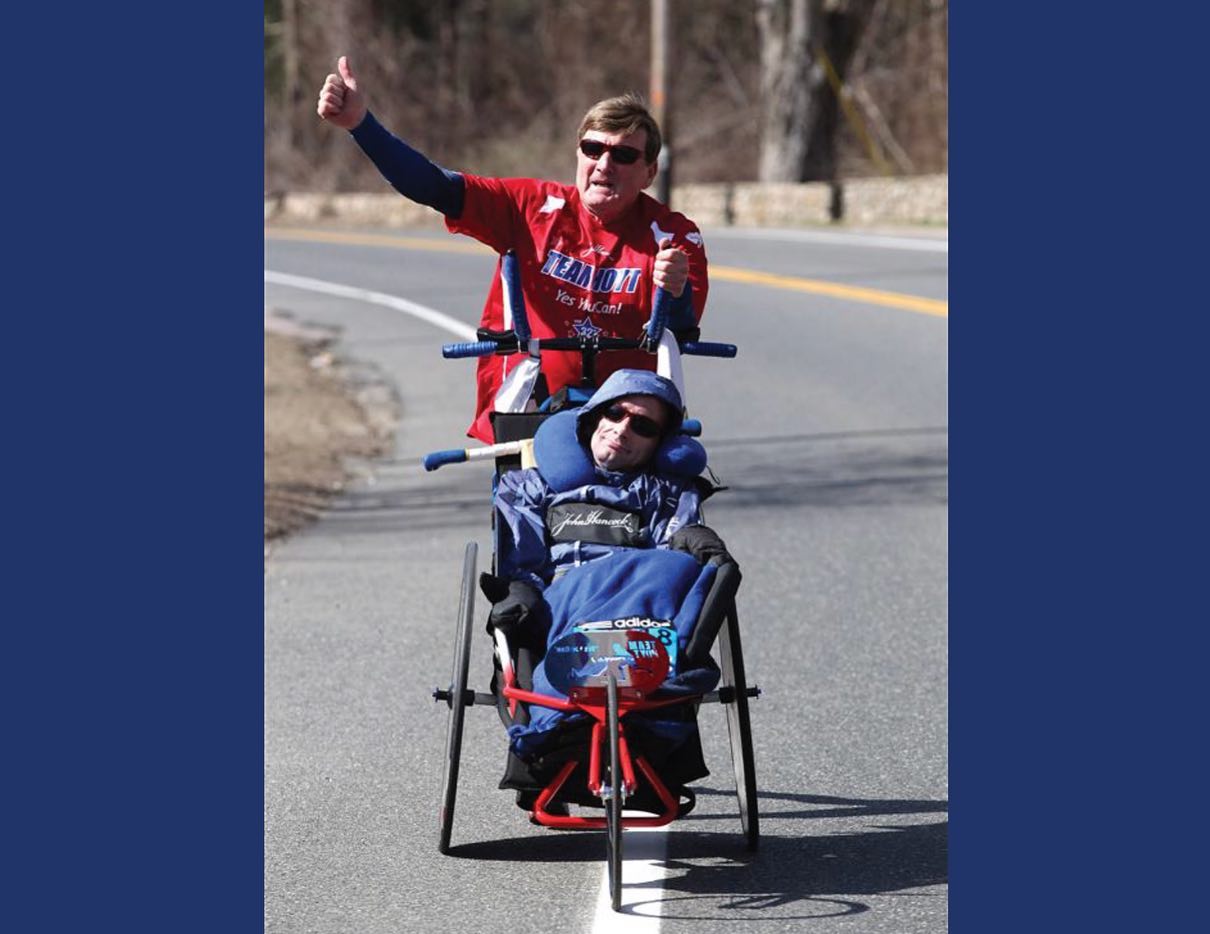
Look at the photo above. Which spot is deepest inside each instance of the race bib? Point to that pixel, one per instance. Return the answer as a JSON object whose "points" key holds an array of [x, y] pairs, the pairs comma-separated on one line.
{"points": [[660, 629], [581, 661]]}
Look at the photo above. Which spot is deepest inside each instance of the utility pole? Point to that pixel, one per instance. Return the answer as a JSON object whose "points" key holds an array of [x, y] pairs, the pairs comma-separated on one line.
{"points": [[659, 96]]}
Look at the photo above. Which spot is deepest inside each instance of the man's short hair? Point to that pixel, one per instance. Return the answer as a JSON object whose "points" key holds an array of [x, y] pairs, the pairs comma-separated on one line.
{"points": [[624, 114]]}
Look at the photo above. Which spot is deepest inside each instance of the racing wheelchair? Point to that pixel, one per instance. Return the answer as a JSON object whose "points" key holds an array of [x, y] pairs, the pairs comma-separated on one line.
{"points": [[622, 694]]}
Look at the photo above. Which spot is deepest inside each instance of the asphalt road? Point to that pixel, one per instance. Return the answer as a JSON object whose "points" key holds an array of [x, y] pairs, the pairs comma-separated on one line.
{"points": [[830, 428]]}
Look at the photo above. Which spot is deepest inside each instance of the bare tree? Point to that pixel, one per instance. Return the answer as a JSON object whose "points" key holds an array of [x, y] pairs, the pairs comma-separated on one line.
{"points": [[497, 87], [784, 28], [805, 50]]}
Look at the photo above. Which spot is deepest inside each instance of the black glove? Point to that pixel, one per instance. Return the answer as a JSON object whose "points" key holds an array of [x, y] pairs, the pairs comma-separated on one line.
{"points": [[521, 615], [701, 542]]}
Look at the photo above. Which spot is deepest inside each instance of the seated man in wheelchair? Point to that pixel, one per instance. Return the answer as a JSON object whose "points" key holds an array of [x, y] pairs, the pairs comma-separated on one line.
{"points": [[608, 526]]}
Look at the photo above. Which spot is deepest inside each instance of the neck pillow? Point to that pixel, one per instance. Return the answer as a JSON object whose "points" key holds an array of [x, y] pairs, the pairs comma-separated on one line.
{"points": [[565, 464]]}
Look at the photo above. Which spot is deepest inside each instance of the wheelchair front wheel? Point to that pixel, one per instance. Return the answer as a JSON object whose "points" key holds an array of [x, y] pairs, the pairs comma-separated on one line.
{"points": [[457, 701]]}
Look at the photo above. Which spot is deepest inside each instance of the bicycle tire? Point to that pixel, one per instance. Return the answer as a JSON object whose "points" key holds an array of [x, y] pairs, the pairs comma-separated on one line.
{"points": [[739, 728], [458, 680]]}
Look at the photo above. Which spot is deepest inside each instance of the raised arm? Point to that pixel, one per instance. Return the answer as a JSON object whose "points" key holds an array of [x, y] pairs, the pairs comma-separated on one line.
{"points": [[342, 102]]}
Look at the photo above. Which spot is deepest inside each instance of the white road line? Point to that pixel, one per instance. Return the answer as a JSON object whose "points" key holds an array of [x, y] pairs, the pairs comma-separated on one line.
{"points": [[423, 312], [644, 848], [882, 241]]}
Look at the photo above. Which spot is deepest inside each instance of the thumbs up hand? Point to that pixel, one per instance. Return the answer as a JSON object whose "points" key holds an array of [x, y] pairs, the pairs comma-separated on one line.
{"points": [[341, 101]]}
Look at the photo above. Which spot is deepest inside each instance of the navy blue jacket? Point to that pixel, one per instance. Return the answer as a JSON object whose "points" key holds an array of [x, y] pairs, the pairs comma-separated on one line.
{"points": [[568, 511]]}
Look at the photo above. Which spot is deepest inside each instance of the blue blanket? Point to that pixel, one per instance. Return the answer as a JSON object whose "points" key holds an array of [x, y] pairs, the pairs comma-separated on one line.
{"points": [[655, 583]]}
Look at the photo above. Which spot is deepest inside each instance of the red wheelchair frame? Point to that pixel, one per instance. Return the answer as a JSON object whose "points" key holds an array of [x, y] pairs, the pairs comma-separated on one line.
{"points": [[601, 704]]}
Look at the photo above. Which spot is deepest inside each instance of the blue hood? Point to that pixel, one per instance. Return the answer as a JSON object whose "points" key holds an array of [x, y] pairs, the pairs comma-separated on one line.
{"points": [[630, 383]]}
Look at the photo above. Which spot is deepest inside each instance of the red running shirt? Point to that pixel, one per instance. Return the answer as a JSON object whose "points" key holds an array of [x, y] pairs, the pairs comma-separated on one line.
{"points": [[577, 274]]}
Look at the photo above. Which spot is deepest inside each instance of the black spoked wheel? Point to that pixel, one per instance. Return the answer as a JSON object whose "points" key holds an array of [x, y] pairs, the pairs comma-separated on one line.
{"points": [[462, 659], [613, 806], [739, 726]]}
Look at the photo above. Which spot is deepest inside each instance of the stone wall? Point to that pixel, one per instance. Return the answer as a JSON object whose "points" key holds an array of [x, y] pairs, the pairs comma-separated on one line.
{"points": [[922, 200], [860, 202], [386, 209]]}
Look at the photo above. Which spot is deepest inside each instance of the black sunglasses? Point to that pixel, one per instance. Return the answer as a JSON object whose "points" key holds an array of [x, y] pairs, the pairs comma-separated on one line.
{"points": [[641, 425], [622, 155]]}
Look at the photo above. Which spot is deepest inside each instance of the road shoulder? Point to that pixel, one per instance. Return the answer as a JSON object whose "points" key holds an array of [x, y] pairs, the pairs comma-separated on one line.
{"points": [[326, 419]]}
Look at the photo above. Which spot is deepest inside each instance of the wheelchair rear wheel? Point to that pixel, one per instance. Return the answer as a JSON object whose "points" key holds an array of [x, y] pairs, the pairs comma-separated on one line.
{"points": [[457, 701], [739, 726], [613, 806]]}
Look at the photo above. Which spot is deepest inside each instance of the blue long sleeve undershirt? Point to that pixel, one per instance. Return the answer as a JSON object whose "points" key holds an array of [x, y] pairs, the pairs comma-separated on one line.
{"points": [[410, 172]]}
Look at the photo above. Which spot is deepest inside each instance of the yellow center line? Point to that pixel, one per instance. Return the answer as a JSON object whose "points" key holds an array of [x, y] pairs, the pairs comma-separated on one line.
{"points": [[857, 293], [367, 239]]}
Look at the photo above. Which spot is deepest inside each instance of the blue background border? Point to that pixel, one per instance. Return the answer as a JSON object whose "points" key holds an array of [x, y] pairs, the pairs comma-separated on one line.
{"points": [[133, 668], [1076, 564]]}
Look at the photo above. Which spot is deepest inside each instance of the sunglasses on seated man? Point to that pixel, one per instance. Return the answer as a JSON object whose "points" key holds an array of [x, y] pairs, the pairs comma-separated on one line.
{"points": [[641, 425], [622, 155]]}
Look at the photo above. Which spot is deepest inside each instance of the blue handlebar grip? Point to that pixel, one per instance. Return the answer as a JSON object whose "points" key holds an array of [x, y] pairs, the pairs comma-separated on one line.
{"points": [[510, 272], [708, 349], [659, 317], [691, 427], [441, 458], [468, 349]]}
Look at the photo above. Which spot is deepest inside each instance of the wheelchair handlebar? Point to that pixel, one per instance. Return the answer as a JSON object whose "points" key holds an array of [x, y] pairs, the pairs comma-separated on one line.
{"points": [[469, 349], [659, 319], [461, 455], [517, 339], [510, 273], [708, 349], [509, 344], [441, 458]]}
